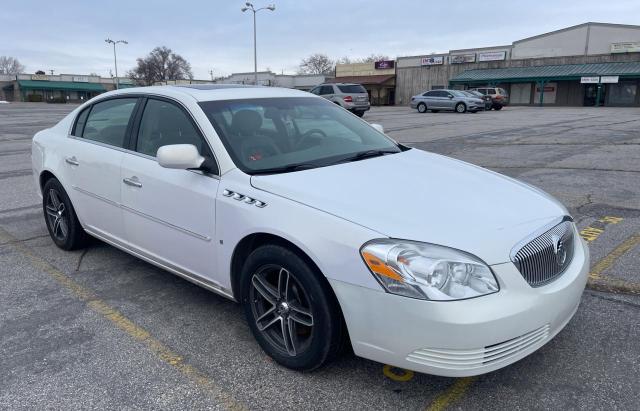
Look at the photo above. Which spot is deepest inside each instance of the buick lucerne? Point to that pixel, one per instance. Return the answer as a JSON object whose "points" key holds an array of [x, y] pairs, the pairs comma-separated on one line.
{"points": [[327, 231]]}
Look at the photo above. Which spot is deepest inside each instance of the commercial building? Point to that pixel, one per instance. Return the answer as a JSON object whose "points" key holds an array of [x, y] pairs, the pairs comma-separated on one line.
{"points": [[587, 64], [58, 88], [267, 78], [379, 78]]}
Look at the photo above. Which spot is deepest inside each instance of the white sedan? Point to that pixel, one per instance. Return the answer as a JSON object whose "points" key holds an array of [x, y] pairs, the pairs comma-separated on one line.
{"points": [[326, 230]]}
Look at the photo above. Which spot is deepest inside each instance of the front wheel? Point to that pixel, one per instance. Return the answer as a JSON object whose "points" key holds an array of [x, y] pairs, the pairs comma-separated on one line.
{"points": [[62, 223], [422, 108], [461, 108], [290, 308]]}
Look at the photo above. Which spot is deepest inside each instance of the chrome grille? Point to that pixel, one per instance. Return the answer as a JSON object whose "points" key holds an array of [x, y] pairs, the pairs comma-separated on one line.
{"points": [[544, 258]]}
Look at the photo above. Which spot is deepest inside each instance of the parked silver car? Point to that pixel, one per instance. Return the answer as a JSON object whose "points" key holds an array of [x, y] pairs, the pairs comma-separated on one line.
{"points": [[352, 97], [454, 100]]}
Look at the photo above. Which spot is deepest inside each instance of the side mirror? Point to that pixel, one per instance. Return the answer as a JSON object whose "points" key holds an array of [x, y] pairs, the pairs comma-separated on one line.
{"points": [[180, 156], [378, 127]]}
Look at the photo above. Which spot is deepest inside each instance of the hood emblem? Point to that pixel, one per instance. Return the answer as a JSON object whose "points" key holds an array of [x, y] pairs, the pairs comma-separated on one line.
{"points": [[559, 250]]}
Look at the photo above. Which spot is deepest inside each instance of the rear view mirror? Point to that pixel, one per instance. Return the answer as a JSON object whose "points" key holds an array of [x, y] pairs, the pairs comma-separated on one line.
{"points": [[378, 127], [180, 156]]}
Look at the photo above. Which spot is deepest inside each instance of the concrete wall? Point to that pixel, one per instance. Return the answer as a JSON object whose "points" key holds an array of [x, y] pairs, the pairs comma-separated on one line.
{"points": [[601, 37], [570, 42]]}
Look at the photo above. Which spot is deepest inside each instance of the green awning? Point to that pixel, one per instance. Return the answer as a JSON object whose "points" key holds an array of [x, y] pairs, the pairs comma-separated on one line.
{"points": [[59, 85], [559, 72]]}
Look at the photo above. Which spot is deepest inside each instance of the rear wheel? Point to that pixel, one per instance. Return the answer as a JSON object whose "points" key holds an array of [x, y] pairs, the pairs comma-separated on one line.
{"points": [[497, 108], [359, 113], [290, 308], [461, 108], [62, 223], [422, 108]]}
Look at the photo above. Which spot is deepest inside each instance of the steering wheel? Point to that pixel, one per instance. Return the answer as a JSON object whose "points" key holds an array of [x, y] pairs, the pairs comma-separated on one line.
{"points": [[258, 147], [307, 135]]}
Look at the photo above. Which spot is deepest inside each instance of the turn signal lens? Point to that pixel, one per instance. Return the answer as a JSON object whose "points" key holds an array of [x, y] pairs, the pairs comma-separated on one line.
{"points": [[427, 271]]}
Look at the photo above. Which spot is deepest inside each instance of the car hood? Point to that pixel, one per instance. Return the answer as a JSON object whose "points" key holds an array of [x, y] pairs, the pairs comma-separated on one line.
{"points": [[421, 196]]}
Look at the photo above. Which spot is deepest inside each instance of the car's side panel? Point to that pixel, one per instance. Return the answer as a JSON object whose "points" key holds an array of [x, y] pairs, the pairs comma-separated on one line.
{"points": [[170, 214], [331, 242]]}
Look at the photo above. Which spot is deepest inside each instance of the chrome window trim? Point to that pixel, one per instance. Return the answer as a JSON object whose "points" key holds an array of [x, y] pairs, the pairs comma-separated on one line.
{"points": [[137, 96]]}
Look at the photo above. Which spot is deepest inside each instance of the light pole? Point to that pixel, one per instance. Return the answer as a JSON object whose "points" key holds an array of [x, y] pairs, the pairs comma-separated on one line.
{"points": [[115, 60], [249, 6]]}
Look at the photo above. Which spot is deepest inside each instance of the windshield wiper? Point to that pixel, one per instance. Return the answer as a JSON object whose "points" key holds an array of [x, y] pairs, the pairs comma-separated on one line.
{"points": [[368, 154], [286, 169]]}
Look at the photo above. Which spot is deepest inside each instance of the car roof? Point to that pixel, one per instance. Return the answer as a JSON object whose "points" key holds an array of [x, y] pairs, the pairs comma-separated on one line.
{"points": [[209, 92]]}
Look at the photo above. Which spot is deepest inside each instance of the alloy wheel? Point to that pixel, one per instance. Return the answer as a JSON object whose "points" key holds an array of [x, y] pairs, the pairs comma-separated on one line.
{"points": [[281, 309], [57, 215]]}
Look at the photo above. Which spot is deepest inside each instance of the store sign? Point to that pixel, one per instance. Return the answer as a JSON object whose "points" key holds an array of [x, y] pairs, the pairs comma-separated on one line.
{"points": [[384, 64], [80, 79], [462, 58], [590, 80], [492, 56], [39, 77], [609, 79], [432, 61], [626, 47]]}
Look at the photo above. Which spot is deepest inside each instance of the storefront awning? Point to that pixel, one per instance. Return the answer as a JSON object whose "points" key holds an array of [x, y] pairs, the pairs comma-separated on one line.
{"points": [[364, 80], [60, 85], [558, 72]]}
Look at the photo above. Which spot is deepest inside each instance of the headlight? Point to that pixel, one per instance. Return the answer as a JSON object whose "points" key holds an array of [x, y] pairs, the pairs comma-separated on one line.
{"points": [[427, 271]]}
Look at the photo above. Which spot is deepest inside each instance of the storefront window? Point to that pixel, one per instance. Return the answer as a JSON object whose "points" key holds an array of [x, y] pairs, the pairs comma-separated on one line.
{"points": [[622, 93]]}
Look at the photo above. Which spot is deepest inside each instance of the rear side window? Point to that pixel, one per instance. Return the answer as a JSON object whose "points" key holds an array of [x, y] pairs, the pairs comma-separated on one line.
{"points": [[502, 91], [315, 90], [491, 91], [107, 122], [352, 88], [326, 90], [78, 128], [164, 123]]}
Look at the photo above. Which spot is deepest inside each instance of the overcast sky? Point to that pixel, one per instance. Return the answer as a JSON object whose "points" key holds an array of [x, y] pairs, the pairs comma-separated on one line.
{"points": [[68, 36]]}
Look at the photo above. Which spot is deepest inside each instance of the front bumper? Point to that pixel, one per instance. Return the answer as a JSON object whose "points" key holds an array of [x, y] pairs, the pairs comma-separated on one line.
{"points": [[467, 337]]}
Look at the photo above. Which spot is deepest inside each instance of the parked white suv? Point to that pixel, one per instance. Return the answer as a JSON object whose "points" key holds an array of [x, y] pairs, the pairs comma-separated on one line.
{"points": [[324, 229], [351, 96]]}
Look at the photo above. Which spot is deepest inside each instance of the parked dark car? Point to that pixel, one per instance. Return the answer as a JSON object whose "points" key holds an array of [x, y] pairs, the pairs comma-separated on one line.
{"points": [[499, 96], [488, 102]]}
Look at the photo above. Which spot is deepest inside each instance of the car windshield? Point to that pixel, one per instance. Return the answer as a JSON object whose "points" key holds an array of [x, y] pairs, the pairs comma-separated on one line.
{"points": [[458, 93], [469, 94], [352, 88], [272, 135]]}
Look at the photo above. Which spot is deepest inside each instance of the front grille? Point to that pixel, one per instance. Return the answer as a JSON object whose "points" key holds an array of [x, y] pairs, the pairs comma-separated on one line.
{"points": [[480, 357], [544, 258]]}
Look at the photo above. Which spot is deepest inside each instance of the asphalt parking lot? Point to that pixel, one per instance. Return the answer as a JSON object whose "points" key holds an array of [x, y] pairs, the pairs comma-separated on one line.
{"points": [[100, 329]]}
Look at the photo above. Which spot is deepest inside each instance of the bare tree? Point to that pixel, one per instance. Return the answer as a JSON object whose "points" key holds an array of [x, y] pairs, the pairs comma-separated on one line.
{"points": [[316, 64], [373, 58], [344, 60], [40, 72], [160, 65], [10, 65]]}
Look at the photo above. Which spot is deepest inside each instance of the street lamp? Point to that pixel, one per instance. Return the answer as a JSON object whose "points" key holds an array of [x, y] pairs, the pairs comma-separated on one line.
{"points": [[249, 6], [115, 60]]}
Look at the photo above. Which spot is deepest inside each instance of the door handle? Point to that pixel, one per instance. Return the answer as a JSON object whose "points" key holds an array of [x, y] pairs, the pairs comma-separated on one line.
{"points": [[133, 182], [72, 160]]}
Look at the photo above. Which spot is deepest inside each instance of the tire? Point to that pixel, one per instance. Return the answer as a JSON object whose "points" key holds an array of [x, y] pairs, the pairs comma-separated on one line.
{"points": [[308, 307], [60, 217], [422, 108], [498, 108], [359, 113], [461, 108]]}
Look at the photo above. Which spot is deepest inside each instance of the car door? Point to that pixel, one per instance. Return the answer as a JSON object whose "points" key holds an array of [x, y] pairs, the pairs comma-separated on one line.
{"points": [[92, 164], [326, 92], [448, 100], [431, 100], [169, 214]]}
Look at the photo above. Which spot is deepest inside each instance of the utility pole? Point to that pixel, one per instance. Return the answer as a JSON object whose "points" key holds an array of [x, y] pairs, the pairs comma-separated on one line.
{"points": [[115, 59]]}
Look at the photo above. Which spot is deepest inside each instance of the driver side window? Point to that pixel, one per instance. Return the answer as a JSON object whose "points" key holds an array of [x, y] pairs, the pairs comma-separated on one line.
{"points": [[164, 123]]}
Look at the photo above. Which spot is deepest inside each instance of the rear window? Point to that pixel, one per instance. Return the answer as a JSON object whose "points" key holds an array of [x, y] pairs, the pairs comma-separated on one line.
{"points": [[491, 91], [352, 88]]}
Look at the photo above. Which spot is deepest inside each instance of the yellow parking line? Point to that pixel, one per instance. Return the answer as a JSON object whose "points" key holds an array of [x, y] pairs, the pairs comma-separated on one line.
{"points": [[451, 395], [136, 332], [598, 281]]}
